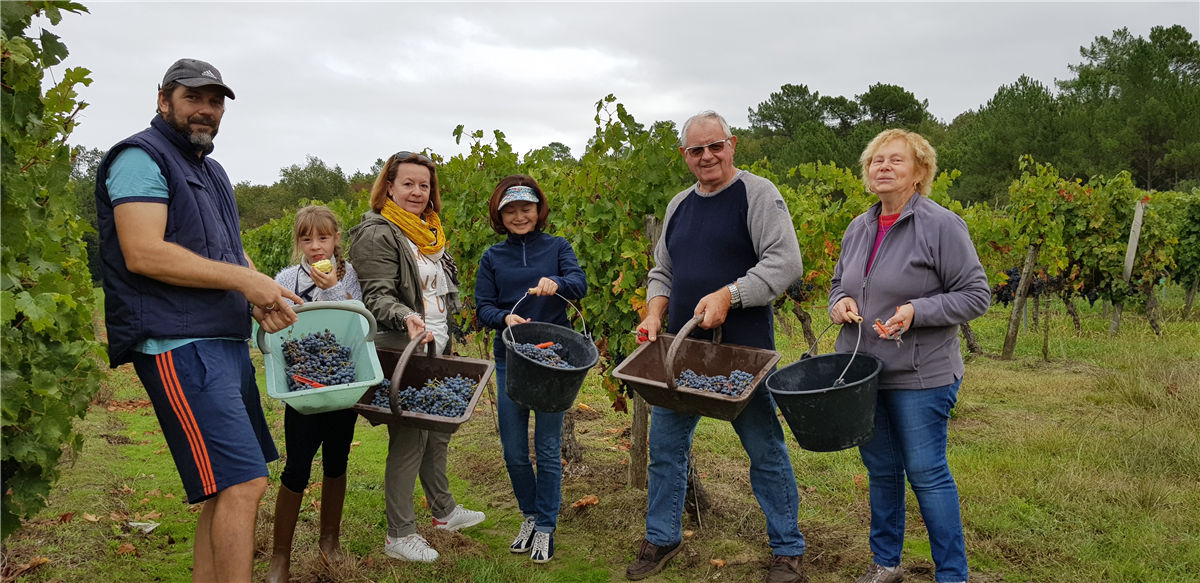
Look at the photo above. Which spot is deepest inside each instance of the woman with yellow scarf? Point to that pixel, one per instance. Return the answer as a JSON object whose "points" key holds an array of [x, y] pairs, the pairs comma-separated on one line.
{"points": [[410, 284]]}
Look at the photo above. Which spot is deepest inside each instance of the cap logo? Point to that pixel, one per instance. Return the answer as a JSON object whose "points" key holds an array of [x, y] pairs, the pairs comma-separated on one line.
{"points": [[209, 74]]}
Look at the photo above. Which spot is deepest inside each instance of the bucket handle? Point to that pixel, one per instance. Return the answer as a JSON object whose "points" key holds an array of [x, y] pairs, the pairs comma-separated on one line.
{"points": [[673, 351], [509, 336], [394, 390], [355, 307], [812, 350]]}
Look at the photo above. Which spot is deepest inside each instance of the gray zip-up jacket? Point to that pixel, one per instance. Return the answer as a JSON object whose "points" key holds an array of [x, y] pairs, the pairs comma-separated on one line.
{"points": [[926, 259]]}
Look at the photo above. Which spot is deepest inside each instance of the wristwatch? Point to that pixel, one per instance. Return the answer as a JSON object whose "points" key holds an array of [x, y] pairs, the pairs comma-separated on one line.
{"points": [[735, 296]]}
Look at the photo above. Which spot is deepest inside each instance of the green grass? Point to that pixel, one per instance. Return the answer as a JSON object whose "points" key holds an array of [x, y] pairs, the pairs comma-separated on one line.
{"points": [[1085, 467]]}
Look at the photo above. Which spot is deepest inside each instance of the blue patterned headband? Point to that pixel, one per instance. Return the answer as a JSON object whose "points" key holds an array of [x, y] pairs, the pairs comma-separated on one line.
{"points": [[517, 193]]}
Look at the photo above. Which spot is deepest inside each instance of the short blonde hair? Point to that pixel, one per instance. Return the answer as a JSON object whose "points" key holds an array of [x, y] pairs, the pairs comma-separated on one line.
{"points": [[923, 154]]}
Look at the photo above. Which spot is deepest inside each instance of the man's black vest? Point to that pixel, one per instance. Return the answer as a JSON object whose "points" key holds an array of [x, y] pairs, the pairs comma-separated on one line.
{"points": [[202, 216]]}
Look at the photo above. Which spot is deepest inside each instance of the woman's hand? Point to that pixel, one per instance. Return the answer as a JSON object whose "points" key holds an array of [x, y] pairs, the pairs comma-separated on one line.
{"points": [[545, 287], [416, 327], [513, 320], [901, 321], [845, 311], [324, 280]]}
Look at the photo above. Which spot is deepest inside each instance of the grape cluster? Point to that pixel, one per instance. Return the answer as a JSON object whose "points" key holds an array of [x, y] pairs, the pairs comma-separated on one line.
{"points": [[547, 356], [732, 385], [444, 397], [317, 356]]}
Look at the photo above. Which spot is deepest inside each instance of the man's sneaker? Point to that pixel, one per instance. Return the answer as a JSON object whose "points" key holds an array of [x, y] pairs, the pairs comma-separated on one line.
{"points": [[459, 518], [786, 569], [543, 547], [880, 574], [650, 560], [413, 547], [524, 538]]}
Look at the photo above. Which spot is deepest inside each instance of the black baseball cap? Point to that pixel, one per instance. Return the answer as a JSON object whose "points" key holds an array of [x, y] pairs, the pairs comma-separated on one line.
{"points": [[195, 73]]}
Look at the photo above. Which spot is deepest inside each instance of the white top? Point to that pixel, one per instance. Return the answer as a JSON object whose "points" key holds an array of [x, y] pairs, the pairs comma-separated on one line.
{"points": [[434, 288]]}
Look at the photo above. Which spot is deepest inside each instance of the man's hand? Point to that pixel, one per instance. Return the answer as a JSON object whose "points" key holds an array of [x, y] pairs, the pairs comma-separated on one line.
{"points": [[651, 325], [270, 311], [845, 311], [513, 320], [715, 307]]}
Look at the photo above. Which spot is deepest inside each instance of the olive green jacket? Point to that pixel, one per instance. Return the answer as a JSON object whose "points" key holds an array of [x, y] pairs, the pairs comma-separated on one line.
{"points": [[387, 273]]}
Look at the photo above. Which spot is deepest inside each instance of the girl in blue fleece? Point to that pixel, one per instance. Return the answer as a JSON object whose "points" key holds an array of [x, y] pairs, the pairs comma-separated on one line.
{"points": [[534, 262]]}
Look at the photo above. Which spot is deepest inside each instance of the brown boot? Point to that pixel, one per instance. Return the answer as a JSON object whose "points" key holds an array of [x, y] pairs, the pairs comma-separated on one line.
{"points": [[786, 569], [333, 496], [287, 509], [650, 560]]}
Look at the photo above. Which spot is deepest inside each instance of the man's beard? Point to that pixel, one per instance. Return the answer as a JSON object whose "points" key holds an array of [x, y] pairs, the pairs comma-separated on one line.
{"points": [[202, 140]]}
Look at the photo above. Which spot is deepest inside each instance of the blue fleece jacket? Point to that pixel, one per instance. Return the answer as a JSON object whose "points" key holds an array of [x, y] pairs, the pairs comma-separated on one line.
{"points": [[509, 268]]}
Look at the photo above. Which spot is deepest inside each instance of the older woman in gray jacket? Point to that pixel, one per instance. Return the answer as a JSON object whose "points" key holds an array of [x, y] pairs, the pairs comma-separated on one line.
{"points": [[410, 284], [909, 263]]}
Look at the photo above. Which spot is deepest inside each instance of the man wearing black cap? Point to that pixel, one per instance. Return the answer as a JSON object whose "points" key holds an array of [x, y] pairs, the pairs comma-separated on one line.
{"points": [[179, 292]]}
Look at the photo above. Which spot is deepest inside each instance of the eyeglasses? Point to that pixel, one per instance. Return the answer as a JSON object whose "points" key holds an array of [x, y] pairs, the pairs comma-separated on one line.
{"points": [[715, 147], [405, 154]]}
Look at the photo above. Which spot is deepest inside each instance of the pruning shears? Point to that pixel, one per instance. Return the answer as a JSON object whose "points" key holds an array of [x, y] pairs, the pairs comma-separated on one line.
{"points": [[883, 331]]}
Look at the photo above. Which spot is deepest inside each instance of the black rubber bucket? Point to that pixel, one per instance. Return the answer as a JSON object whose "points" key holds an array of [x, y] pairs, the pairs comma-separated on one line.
{"points": [[539, 386], [823, 413]]}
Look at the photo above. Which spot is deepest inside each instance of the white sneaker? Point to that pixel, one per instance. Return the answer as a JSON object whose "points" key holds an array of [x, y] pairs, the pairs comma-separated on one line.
{"points": [[413, 547], [459, 518], [543, 547], [524, 538]]}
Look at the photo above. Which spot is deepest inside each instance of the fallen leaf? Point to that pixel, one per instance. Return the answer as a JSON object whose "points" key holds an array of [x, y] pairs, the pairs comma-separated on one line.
{"points": [[169, 496], [589, 500], [154, 492], [90, 517], [624, 461], [369, 561], [144, 501], [12, 572], [424, 502], [689, 533], [65, 517], [860, 480], [127, 549], [38, 562], [355, 443], [614, 430], [118, 516], [152, 515], [125, 489], [583, 407], [718, 563]]}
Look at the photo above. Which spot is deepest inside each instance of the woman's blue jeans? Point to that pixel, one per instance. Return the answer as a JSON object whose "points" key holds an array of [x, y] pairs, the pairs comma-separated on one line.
{"points": [[910, 440], [771, 475], [539, 493]]}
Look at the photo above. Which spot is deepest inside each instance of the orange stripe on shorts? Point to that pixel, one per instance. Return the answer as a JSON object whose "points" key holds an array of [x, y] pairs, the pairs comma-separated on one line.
{"points": [[183, 412]]}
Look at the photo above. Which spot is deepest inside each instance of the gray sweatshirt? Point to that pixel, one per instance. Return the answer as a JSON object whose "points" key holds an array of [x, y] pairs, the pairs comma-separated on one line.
{"points": [[926, 259]]}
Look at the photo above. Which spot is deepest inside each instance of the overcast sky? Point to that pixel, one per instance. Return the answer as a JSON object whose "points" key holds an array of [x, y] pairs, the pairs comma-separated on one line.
{"points": [[352, 82]]}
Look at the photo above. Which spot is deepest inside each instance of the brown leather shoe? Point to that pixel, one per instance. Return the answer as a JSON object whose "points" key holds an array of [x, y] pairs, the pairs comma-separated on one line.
{"points": [[786, 569], [650, 560]]}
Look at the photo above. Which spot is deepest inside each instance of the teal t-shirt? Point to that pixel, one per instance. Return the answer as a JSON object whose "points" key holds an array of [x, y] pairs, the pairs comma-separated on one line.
{"points": [[134, 173]]}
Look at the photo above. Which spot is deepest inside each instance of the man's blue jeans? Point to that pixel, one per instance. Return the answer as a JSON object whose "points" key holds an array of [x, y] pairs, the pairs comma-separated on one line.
{"points": [[910, 440], [538, 493], [771, 475]]}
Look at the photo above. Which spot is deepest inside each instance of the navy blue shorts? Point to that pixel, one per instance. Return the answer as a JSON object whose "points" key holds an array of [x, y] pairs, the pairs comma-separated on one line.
{"points": [[207, 402]]}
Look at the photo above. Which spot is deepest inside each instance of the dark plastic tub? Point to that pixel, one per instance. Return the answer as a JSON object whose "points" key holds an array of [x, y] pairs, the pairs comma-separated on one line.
{"points": [[822, 416], [412, 369], [539, 386], [652, 369]]}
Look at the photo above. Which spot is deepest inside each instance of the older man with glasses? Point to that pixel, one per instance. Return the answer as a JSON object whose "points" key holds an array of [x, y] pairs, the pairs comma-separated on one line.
{"points": [[728, 250]]}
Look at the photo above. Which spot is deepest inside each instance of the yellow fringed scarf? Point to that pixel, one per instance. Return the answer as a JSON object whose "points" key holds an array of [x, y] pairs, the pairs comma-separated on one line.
{"points": [[427, 235]]}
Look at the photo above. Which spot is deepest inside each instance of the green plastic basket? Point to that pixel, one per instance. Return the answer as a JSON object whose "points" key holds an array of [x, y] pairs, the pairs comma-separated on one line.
{"points": [[354, 326]]}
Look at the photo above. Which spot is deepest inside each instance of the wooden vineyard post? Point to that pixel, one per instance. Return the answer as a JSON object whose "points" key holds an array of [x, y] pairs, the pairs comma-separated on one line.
{"points": [[639, 432], [1135, 231], [1014, 321]]}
